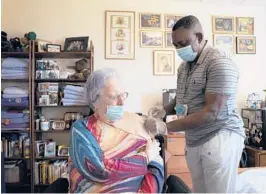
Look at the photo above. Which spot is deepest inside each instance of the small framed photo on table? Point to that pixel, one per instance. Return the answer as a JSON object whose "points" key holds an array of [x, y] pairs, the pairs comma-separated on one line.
{"points": [[53, 48], [164, 62], [63, 151], [76, 44], [223, 25], [42, 45], [246, 45]]}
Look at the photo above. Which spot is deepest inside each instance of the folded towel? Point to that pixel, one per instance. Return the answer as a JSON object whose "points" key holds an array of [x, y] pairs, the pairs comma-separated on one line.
{"points": [[13, 126], [79, 89], [70, 92], [14, 96], [73, 102], [15, 90], [15, 68], [14, 77], [24, 119], [15, 62], [73, 97], [10, 71], [17, 100], [16, 104], [11, 115]]}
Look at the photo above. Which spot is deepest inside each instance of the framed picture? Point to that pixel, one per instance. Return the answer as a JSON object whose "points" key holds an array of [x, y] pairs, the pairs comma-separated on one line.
{"points": [[246, 45], [151, 39], [164, 62], [224, 42], [63, 151], [120, 35], [42, 45], [168, 40], [50, 149], [76, 44], [170, 20], [53, 48], [245, 25], [150, 20], [40, 148], [223, 24]]}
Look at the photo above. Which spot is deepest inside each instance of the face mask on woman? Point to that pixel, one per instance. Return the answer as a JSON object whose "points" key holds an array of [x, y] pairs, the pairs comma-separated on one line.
{"points": [[114, 113]]}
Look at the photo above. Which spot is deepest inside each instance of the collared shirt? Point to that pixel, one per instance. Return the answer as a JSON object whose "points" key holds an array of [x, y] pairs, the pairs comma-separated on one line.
{"points": [[215, 73]]}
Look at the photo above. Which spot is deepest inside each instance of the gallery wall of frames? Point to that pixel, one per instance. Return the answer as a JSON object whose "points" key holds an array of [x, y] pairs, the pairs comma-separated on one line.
{"points": [[234, 35]]}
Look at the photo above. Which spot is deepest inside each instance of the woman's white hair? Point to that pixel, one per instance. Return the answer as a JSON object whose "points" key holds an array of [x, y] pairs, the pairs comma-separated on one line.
{"points": [[96, 82]]}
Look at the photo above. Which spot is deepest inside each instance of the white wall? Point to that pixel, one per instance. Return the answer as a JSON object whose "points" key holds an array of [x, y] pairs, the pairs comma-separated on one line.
{"points": [[56, 20]]}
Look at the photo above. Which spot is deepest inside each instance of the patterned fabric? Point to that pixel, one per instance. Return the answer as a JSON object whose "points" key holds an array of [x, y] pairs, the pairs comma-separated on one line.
{"points": [[104, 159], [214, 73]]}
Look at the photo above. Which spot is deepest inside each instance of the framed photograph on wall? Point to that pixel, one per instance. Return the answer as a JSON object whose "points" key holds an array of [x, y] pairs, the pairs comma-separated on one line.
{"points": [[168, 40], [164, 62], [223, 25], [150, 20], [245, 25], [170, 20], [246, 45], [120, 35], [224, 42], [151, 39]]}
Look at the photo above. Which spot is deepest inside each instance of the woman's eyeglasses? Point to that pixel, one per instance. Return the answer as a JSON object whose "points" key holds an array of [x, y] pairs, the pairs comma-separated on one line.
{"points": [[123, 96]]}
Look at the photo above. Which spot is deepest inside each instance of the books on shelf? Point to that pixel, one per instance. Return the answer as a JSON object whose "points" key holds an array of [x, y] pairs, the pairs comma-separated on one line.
{"points": [[46, 172]]}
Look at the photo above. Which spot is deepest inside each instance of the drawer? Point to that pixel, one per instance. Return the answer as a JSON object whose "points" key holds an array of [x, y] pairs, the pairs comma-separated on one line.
{"points": [[176, 164], [262, 160], [186, 178], [176, 145]]}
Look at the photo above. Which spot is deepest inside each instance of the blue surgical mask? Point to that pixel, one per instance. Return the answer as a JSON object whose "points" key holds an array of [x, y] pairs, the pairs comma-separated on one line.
{"points": [[187, 54], [114, 113]]}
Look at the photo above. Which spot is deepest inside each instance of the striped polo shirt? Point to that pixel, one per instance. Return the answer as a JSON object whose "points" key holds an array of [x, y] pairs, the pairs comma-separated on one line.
{"points": [[213, 73]]}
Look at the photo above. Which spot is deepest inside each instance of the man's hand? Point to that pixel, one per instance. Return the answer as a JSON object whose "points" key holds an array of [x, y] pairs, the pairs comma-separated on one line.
{"points": [[157, 112], [155, 126]]}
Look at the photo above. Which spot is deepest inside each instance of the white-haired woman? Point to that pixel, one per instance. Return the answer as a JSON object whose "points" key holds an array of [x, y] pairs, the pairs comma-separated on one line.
{"points": [[110, 151]]}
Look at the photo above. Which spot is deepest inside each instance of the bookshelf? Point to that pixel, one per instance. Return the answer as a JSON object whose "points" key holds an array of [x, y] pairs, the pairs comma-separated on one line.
{"points": [[30, 186]]}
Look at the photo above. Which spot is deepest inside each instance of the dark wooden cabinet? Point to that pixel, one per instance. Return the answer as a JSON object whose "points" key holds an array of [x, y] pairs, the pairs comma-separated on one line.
{"points": [[256, 157]]}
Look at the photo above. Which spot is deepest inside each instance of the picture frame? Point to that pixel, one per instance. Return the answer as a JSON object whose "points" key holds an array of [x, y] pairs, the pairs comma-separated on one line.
{"points": [[163, 62], [151, 39], [50, 149], [170, 20], [42, 45], [246, 45], [245, 25], [55, 48], [76, 44], [120, 35], [40, 151], [223, 24], [168, 39], [150, 21], [58, 125], [224, 42], [63, 150]]}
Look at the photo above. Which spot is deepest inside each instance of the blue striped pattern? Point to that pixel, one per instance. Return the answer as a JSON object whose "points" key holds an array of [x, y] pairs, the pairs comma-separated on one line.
{"points": [[214, 73]]}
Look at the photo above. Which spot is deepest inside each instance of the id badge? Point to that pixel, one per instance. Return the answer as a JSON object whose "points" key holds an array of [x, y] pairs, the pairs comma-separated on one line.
{"points": [[181, 110]]}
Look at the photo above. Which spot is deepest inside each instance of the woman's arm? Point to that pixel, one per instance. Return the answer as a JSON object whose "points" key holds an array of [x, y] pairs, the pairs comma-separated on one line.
{"points": [[87, 157]]}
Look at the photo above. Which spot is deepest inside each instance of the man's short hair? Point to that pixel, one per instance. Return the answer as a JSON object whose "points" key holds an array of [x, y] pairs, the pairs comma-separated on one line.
{"points": [[187, 22]]}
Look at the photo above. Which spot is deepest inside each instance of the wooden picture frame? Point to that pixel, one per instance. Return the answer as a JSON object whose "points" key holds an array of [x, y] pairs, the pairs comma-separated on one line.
{"points": [[163, 62], [245, 25], [223, 24], [42, 45], [150, 21], [170, 20], [63, 151], [224, 42], [246, 45], [120, 35], [151, 39], [168, 39], [55, 48], [76, 44]]}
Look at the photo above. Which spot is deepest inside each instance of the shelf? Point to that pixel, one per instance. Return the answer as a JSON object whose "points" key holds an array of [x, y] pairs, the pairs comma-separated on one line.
{"points": [[17, 184], [15, 107], [65, 55], [59, 80], [15, 54], [14, 131], [15, 80], [42, 185], [52, 158], [53, 131], [60, 106], [16, 158]]}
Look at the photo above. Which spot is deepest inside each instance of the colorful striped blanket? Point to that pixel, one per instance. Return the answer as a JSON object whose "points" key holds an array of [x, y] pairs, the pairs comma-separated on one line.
{"points": [[104, 159]]}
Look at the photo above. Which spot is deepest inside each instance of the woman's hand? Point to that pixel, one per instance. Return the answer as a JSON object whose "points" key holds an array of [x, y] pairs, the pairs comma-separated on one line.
{"points": [[153, 150]]}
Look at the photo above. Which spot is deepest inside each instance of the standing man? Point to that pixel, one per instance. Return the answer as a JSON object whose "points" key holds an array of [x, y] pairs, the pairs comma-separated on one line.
{"points": [[207, 84]]}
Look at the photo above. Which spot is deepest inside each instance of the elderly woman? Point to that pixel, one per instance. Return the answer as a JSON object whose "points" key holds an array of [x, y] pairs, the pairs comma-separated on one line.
{"points": [[111, 151]]}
